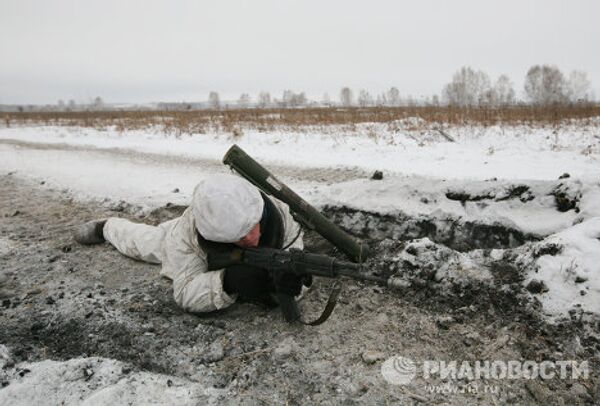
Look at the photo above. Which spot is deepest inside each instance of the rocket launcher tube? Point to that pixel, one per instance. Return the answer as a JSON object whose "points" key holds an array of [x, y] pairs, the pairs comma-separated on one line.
{"points": [[301, 210]]}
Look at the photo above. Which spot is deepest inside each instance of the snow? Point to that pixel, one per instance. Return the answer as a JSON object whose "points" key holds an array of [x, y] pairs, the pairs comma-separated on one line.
{"points": [[4, 356], [455, 267], [407, 194], [573, 275], [5, 246], [98, 381], [479, 153], [94, 175]]}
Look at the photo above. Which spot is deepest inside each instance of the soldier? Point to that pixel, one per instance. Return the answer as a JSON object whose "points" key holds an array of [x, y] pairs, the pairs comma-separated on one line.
{"points": [[225, 210]]}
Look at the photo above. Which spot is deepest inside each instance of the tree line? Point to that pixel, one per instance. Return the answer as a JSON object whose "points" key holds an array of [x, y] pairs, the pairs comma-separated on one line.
{"points": [[543, 85]]}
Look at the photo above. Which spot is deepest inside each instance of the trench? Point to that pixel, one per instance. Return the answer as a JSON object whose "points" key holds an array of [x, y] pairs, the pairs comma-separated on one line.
{"points": [[462, 236], [454, 233]]}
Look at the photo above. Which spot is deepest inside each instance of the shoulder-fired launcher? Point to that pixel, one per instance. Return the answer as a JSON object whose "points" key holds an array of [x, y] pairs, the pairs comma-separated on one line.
{"points": [[301, 210]]}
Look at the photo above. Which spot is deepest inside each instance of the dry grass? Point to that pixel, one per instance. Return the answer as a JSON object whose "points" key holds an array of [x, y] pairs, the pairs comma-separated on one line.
{"points": [[234, 120]]}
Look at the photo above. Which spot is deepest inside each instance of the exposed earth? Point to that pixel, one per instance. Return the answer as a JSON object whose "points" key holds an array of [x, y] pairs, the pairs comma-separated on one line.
{"points": [[91, 305]]}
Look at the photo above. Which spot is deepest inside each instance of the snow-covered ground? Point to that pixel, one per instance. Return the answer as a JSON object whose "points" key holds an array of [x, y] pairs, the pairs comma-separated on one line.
{"points": [[493, 176], [97, 381], [568, 264], [478, 153]]}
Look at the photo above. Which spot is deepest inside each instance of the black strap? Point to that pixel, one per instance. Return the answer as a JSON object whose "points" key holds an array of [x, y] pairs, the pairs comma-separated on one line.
{"points": [[331, 303], [294, 240], [271, 225]]}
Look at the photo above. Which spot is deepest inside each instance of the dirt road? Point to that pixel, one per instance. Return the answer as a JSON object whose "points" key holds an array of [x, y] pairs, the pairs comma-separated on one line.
{"points": [[325, 174], [69, 301]]}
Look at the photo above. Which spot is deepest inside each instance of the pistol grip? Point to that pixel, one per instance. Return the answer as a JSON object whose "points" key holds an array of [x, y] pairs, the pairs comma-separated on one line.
{"points": [[289, 307]]}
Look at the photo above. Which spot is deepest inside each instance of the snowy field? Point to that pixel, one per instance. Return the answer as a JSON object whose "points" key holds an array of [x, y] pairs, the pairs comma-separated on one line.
{"points": [[481, 153], [528, 196]]}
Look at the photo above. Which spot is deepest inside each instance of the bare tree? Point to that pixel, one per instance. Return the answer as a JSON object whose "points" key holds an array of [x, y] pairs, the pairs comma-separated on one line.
{"points": [[98, 103], [299, 99], [468, 88], [393, 97], [578, 87], [545, 85], [264, 99], [71, 105], [346, 97], [291, 99], [364, 98], [503, 92], [244, 100], [287, 97], [213, 100]]}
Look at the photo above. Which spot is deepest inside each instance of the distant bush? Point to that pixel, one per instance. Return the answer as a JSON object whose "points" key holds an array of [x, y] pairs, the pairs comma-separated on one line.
{"points": [[227, 120]]}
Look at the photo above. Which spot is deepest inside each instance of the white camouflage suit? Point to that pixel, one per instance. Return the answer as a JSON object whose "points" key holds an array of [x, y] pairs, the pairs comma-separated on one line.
{"points": [[224, 208]]}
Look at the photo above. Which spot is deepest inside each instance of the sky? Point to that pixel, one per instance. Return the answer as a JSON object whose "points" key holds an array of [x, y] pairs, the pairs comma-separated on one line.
{"points": [[151, 51]]}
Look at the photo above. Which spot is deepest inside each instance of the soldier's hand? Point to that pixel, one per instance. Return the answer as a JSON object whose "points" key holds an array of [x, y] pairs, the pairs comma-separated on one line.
{"points": [[287, 283], [249, 282]]}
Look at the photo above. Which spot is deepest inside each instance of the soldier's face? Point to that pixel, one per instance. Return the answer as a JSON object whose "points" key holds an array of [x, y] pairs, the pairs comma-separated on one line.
{"points": [[251, 239]]}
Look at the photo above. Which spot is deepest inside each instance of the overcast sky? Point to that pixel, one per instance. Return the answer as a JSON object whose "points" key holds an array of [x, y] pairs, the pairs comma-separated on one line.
{"points": [[144, 51]]}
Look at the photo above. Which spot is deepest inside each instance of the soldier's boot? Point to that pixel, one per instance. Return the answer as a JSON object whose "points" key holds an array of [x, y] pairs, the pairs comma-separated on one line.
{"points": [[90, 233]]}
